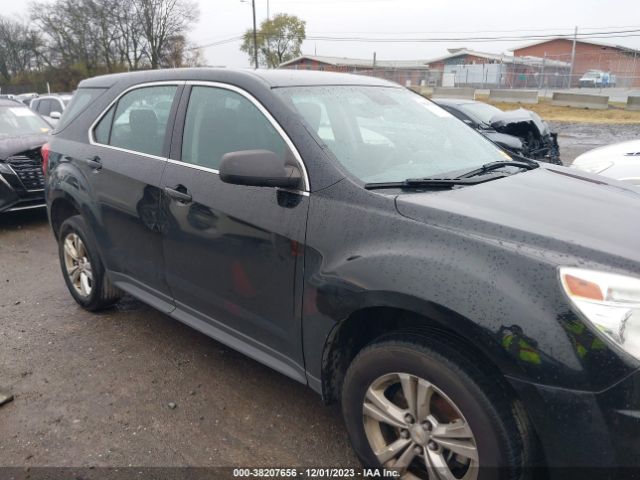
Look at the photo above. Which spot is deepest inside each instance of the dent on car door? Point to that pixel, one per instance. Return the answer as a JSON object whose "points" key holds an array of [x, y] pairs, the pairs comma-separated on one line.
{"points": [[125, 168], [234, 253]]}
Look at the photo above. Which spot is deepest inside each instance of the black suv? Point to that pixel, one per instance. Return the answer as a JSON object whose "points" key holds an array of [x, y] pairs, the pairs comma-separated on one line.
{"points": [[467, 309]]}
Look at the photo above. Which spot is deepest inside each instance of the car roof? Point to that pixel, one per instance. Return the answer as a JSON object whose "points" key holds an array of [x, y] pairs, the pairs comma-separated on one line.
{"points": [[11, 103], [273, 78], [54, 95]]}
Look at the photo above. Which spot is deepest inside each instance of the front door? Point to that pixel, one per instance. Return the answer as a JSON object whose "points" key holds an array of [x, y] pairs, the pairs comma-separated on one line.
{"points": [[234, 254]]}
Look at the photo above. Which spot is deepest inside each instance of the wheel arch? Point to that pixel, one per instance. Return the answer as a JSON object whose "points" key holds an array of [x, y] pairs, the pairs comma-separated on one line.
{"points": [[62, 207], [402, 316], [378, 323]]}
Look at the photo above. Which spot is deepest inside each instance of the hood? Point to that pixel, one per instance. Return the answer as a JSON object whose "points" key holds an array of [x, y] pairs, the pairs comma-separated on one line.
{"points": [[16, 144], [618, 151], [507, 141], [518, 122], [553, 208]]}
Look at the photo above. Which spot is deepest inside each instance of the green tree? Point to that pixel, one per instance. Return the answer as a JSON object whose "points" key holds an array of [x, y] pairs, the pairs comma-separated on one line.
{"points": [[279, 40]]}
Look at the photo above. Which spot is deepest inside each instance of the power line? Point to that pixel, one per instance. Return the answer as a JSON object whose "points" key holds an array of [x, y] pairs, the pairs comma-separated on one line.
{"points": [[611, 34], [553, 29], [602, 30], [479, 39]]}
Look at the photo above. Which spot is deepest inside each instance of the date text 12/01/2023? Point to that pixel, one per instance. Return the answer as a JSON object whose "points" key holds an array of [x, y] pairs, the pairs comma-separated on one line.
{"points": [[314, 473]]}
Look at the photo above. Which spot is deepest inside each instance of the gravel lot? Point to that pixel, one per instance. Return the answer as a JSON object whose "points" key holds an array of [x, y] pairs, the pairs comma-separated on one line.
{"points": [[577, 138], [94, 390]]}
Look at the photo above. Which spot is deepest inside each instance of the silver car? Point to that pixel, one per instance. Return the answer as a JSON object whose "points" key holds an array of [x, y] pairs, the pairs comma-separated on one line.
{"points": [[620, 161]]}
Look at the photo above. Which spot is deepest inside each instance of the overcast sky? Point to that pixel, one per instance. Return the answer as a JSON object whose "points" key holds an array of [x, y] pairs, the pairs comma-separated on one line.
{"points": [[222, 19]]}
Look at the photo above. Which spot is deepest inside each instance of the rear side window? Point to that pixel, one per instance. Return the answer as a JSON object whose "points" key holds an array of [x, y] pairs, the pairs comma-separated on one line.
{"points": [[56, 106], [140, 119], [44, 107], [80, 100], [103, 129], [220, 121]]}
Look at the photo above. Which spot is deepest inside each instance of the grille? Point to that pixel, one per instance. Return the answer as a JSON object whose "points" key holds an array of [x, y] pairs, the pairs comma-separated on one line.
{"points": [[29, 171]]}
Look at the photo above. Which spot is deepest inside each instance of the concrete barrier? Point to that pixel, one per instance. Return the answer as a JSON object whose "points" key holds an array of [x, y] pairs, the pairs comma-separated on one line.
{"points": [[580, 100], [465, 93], [513, 96], [633, 103], [422, 90]]}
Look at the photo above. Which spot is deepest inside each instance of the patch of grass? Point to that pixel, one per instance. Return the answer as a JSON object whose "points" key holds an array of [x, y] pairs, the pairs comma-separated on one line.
{"points": [[615, 114]]}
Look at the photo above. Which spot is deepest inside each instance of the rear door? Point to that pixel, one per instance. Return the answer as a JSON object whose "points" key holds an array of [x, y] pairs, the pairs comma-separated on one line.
{"points": [[130, 144], [234, 254]]}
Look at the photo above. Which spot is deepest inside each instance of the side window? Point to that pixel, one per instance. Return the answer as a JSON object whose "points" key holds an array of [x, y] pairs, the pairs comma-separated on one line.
{"points": [[80, 100], [102, 131], [140, 119], [44, 107], [56, 106], [220, 121]]}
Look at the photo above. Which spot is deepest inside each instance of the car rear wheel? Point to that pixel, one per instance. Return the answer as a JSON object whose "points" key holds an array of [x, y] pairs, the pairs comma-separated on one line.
{"points": [[82, 268], [426, 411]]}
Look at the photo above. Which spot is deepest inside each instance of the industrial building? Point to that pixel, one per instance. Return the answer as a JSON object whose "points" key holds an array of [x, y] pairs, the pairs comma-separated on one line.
{"points": [[460, 67], [623, 62]]}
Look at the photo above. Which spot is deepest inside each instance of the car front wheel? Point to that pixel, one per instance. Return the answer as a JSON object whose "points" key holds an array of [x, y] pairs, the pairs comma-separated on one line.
{"points": [[426, 411]]}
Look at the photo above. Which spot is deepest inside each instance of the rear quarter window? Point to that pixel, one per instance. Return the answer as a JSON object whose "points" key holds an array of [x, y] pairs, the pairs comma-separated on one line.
{"points": [[79, 102]]}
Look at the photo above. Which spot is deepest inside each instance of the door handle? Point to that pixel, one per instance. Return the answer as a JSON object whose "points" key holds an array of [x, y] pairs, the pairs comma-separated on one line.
{"points": [[94, 162], [177, 194]]}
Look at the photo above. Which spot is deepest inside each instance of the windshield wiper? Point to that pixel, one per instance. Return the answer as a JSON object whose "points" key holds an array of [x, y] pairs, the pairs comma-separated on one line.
{"points": [[488, 167], [432, 182], [472, 177]]}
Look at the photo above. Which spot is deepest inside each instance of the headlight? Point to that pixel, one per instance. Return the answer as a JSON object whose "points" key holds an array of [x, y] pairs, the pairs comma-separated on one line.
{"points": [[4, 168], [610, 302]]}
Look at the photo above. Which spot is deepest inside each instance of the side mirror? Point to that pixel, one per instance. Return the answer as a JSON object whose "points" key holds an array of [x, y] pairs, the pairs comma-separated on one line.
{"points": [[258, 168], [55, 115]]}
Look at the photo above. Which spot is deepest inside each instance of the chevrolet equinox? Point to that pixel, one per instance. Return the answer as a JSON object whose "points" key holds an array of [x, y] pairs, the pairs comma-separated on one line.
{"points": [[475, 313]]}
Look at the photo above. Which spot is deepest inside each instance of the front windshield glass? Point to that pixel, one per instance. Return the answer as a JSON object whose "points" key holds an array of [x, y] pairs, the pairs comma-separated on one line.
{"points": [[21, 121], [480, 112], [386, 134]]}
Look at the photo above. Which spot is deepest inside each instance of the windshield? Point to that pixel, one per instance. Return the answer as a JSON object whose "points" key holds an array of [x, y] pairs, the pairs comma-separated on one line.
{"points": [[480, 112], [385, 134], [21, 121]]}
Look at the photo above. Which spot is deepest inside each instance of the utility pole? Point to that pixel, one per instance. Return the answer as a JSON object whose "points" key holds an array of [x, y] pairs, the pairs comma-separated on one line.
{"points": [[255, 35], [268, 17], [573, 54]]}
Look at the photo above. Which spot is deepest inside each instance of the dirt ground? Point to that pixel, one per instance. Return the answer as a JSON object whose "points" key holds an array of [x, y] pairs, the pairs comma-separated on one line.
{"points": [[616, 114], [94, 390]]}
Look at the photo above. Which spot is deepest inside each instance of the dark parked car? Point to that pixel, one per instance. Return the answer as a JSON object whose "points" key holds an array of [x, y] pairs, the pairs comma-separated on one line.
{"points": [[521, 131], [22, 133], [465, 308]]}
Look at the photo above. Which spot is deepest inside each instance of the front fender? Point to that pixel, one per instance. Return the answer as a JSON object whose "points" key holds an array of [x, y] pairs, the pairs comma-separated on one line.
{"points": [[503, 298]]}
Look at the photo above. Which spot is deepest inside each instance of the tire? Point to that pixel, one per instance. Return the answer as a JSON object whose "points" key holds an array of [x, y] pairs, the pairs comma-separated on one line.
{"points": [[489, 428], [89, 285]]}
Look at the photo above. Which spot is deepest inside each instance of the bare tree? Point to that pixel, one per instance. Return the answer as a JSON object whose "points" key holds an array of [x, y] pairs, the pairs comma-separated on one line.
{"points": [[162, 20], [18, 46]]}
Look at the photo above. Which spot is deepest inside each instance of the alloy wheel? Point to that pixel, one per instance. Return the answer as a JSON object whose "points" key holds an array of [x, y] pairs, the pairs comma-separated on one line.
{"points": [[77, 264], [414, 428]]}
